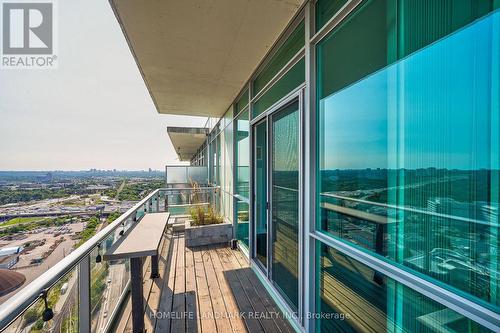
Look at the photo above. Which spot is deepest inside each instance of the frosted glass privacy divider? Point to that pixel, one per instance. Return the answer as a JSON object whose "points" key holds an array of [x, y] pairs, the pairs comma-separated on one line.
{"points": [[198, 174], [187, 175], [176, 174]]}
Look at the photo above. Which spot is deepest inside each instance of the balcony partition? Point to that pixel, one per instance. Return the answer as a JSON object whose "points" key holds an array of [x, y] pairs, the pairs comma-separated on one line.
{"points": [[186, 175]]}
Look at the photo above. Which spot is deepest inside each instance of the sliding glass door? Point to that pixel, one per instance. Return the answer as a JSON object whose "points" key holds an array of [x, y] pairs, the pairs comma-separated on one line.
{"points": [[260, 192], [285, 202], [276, 184]]}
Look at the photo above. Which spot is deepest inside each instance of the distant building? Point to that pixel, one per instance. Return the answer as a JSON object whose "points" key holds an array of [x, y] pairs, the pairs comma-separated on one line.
{"points": [[97, 188], [7, 262], [7, 251], [9, 256]]}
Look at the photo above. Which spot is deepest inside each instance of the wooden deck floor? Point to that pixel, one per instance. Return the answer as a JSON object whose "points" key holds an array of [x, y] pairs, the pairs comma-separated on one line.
{"points": [[204, 289]]}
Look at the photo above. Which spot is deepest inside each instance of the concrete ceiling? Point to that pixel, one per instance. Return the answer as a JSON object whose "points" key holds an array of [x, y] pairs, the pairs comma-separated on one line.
{"points": [[195, 55], [187, 140]]}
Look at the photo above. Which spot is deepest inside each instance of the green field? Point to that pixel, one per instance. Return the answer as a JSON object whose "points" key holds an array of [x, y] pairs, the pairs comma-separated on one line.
{"points": [[19, 220]]}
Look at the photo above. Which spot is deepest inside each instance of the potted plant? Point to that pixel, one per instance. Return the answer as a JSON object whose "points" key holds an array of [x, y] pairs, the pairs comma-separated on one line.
{"points": [[205, 226]]}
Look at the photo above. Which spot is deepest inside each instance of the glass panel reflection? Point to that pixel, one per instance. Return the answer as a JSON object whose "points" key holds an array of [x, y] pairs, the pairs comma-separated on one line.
{"points": [[283, 55], [355, 298], [409, 164], [108, 280], [243, 221], [260, 160], [64, 300], [242, 155], [289, 81]]}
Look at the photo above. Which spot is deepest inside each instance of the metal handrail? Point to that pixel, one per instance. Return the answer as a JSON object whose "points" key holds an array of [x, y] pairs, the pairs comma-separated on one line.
{"points": [[17, 304], [186, 188]]}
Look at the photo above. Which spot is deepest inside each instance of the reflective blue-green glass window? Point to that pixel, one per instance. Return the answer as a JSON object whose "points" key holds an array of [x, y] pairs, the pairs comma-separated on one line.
{"points": [[291, 80], [227, 118], [217, 160], [382, 31], [242, 176], [355, 298], [241, 103], [408, 156], [425, 21], [285, 53], [325, 9], [243, 221], [211, 162]]}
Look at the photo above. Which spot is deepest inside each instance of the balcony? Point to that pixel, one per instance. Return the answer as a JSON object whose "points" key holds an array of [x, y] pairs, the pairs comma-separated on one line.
{"points": [[201, 289]]}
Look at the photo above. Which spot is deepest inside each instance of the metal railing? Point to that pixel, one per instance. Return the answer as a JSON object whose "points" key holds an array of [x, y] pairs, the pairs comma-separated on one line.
{"points": [[82, 286]]}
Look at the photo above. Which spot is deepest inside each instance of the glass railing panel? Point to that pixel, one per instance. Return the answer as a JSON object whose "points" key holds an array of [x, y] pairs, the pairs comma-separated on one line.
{"points": [[185, 201], [63, 300], [108, 280]]}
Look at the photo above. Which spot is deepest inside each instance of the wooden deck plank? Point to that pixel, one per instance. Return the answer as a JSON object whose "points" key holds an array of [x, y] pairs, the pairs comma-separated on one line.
{"points": [[237, 323], [260, 309], [163, 324], [206, 311], [205, 289], [218, 305], [244, 304], [179, 301], [153, 299], [193, 323], [264, 296]]}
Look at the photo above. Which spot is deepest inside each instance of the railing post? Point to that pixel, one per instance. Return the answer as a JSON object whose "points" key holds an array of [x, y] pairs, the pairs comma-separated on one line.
{"points": [[157, 198], [137, 295], [84, 293]]}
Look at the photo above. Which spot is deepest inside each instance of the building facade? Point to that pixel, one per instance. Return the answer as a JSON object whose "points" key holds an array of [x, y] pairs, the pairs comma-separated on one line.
{"points": [[359, 164]]}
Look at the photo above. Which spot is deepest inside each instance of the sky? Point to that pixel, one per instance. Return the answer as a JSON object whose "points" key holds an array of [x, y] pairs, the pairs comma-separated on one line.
{"points": [[93, 111]]}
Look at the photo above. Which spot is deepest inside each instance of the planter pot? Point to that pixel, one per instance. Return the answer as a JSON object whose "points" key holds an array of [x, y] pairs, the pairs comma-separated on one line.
{"points": [[207, 234]]}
